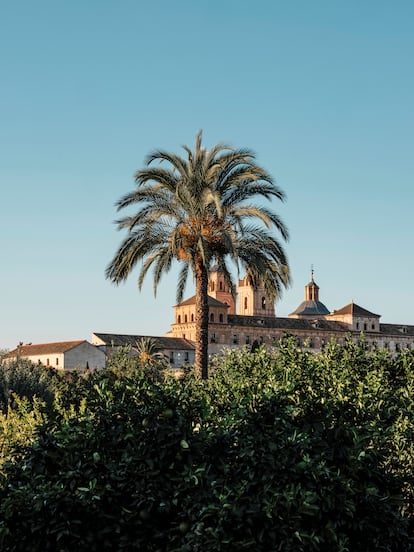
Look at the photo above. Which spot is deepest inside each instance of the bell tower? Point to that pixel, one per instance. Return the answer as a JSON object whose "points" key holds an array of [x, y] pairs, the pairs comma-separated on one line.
{"points": [[254, 302], [219, 289], [312, 290]]}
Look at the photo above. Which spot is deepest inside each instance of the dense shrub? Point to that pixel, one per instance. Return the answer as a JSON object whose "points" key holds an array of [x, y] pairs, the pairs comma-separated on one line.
{"points": [[25, 379], [283, 450]]}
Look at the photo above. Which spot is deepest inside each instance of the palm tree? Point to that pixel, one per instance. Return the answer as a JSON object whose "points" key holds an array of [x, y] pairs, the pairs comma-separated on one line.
{"points": [[148, 352], [200, 210]]}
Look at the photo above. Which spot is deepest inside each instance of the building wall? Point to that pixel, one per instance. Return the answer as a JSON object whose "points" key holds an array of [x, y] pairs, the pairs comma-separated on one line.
{"points": [[84, 356], [253, 302], [233, 336], [51, 360], [180, 358], [219, 289], [315, 338], [81, 356], [358, 323]]}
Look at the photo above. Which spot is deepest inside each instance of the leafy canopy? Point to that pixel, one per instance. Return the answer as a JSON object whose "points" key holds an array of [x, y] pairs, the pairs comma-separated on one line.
{"points": [[199, 210]]}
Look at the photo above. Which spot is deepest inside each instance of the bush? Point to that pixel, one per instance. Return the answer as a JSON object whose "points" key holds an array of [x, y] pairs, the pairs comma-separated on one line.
{"points": [[282, 450], [25, 379]]}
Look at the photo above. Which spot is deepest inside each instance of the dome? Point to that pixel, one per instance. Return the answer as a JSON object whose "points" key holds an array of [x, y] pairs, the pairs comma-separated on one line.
{"points": [[311, 308]]}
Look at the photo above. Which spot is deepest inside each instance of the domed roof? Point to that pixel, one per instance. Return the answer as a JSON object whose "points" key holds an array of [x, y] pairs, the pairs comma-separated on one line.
{"points": [[311, 308]]}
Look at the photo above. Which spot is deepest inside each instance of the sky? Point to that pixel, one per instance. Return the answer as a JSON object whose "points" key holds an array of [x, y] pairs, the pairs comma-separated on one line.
{"points": [[321, 91]]}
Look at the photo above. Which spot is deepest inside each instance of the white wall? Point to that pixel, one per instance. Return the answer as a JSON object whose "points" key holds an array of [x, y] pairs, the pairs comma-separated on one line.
{"points": [[83, 355]]}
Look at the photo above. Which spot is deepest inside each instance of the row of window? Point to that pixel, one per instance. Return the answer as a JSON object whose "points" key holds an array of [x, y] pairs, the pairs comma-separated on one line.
{"points": [[221, 287], [48, 362], [212, 318], [365, 326], [177, 356], [263, 303], [305, 342]]}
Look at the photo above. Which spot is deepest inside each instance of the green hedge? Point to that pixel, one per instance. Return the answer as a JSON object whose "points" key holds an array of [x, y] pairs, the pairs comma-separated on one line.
{"points": [[282, 450]]}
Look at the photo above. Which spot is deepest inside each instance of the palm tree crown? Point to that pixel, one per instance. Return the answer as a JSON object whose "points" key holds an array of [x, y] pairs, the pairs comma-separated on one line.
{"points": [[148, 352], [199, 211]]}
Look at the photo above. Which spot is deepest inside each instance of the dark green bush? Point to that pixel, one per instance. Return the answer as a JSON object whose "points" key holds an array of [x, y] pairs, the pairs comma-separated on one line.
{"points": [[25, 379], [286, 451]]}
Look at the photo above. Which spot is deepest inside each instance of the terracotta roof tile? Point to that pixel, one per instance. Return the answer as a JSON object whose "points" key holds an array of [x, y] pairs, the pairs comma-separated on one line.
{"points": [[287, 324], [44, 348], [211, 301], [354, 309]]}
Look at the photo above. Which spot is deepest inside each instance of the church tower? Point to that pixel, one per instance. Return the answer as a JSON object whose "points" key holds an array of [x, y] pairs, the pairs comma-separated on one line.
{"points": [[254, 302], [311, 307], [312, 290], [219, 289]]}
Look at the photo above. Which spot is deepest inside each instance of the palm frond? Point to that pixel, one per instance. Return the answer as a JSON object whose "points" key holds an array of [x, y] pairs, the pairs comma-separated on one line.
{"points": [[198, 209], [182, 281]]}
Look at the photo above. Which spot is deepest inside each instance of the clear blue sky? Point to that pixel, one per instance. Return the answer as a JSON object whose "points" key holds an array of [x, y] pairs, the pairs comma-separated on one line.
{"points": [[322, 91]]}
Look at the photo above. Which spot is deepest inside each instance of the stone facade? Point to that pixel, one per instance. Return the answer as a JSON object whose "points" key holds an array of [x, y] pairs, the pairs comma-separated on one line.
{"points": [[312, 324]]}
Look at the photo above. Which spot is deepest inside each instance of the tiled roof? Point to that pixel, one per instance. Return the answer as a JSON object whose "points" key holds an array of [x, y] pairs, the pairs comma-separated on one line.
{"points": [[44, 348], [311, 308], [354, 309], [211, 302], [397, 329], [122, 340], [287, 324]]}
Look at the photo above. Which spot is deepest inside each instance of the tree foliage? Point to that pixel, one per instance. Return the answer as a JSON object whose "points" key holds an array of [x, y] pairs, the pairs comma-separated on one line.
{"points": [[203, 209], [282, 450], [25, 379]]}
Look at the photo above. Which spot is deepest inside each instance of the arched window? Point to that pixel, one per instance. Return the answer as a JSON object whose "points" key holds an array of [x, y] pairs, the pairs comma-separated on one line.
{"points": [[221, 318], [192, 318], [185, 318], [245, 302], [212, 317], [179, 319], [221, 286]]}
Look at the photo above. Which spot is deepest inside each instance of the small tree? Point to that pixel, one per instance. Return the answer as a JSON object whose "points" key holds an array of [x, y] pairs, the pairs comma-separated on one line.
{"points": [[25, 379], [148, 352]]}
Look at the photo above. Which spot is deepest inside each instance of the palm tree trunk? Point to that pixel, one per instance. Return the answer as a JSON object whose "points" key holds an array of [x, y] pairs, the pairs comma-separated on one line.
{"points": [[201, 319]]}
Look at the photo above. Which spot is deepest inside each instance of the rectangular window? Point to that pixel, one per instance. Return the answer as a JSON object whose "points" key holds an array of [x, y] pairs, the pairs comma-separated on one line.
{"points": [[213, 338], [57, 361], [235, 339], [247, 339]]}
